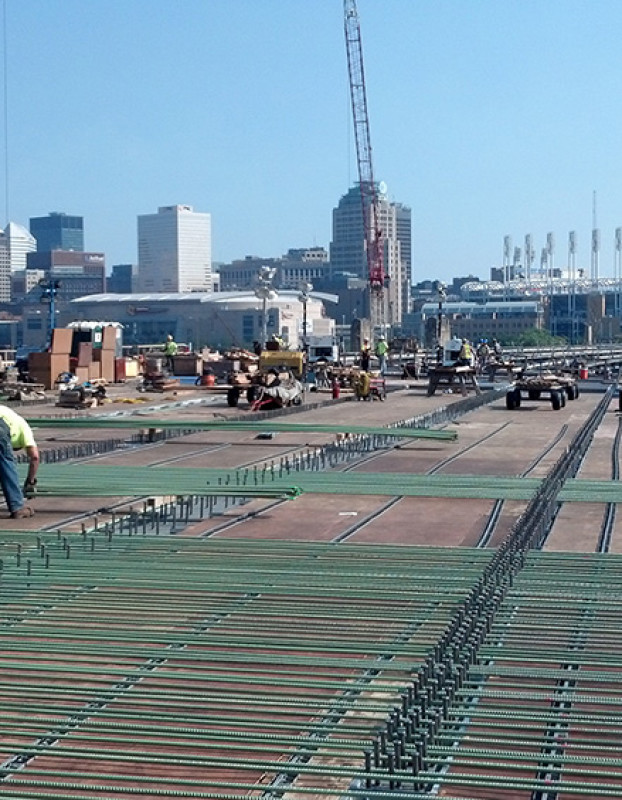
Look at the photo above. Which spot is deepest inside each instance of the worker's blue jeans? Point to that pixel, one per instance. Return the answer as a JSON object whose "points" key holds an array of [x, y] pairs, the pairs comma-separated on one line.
{"points": [[9, 479]]}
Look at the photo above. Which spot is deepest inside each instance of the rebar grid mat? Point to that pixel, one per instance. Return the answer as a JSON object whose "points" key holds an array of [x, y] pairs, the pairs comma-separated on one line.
{"points": [[151, 667], [541, 707], [413, 731], [534, 702]]}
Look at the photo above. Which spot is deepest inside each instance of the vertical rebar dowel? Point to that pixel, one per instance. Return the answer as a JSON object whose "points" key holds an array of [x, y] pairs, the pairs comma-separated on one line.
{"points": [[367, 756], [391, 771]]}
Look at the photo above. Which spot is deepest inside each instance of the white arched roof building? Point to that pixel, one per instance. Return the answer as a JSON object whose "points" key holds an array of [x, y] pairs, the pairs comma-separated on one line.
{"points": [[218, 319]]}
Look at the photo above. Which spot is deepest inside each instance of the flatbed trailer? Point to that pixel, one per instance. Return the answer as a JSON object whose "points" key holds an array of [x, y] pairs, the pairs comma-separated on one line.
{"points": [[444, 376], [558, 388]]}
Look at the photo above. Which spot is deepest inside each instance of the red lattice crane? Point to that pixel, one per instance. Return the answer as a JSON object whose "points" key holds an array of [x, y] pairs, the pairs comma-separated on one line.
{"points": [[369, 197]]}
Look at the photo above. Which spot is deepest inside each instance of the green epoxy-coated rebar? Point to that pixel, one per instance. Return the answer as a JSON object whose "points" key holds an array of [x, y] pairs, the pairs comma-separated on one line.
{"points": [[62, 631], [149, 638], [98, 481], [134, 422]]}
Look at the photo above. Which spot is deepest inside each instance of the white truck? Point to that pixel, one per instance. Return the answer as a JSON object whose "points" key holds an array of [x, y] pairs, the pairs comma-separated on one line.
{"points": [[323, 348]]}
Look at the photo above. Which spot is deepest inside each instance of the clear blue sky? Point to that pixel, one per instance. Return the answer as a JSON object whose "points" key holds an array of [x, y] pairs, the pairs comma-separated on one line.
{"points": [[488, 117]]}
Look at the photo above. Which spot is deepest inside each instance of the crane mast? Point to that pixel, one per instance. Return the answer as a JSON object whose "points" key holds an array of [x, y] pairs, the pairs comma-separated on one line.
{"points": [[369, 196]]}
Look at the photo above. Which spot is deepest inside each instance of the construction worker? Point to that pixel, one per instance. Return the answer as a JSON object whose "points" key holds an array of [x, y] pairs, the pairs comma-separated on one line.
{"points": [[16, 434], [382, 348], [465, 359], [365, 356], [483, 354], [170, 351]]}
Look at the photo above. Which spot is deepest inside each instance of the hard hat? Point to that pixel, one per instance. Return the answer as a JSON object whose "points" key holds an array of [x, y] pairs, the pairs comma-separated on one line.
{"points": [[169, 337], [381, 338]]}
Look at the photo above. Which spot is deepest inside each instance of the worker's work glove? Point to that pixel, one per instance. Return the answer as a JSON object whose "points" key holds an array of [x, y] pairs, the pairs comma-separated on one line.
{"points": [[30, 488]]}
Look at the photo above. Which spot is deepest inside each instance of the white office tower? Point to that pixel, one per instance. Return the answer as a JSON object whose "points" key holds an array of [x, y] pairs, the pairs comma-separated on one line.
{"points": [[5, 270], [175, 250], [20, 242], [15, 243]]}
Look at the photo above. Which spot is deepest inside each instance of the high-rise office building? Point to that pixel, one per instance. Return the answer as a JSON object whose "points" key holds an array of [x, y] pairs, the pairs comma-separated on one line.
{"points": [[175, 250], [348, 255], [403, 221], [58, 231], [15, 244], [122, 279], [78, 272], [20, 243], [5, 270]]}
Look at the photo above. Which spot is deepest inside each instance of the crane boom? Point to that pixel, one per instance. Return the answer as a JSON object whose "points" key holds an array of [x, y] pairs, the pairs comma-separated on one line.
{"points": [[369, 196]]}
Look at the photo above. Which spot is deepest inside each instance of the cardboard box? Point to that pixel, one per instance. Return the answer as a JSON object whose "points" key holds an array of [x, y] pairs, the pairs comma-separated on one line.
{"points": [[62, 339], [187, 364], [131, 368], [119, 370], [106, 365], [85, 354], [46, 367], [109, 338]]}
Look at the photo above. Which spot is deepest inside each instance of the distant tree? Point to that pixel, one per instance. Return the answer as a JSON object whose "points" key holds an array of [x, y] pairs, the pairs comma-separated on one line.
{"points": [[535, 337]]}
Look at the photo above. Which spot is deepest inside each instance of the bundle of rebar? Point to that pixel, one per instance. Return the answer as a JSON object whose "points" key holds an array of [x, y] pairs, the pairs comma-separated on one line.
{"points": [[97, 422], [92, 480]]}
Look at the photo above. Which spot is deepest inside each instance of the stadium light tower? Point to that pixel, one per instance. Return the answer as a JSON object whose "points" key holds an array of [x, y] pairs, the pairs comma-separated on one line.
{"points": [[507, 247], [595, 243], [550, 250], [529, 257], [617, 268], [572, 290]]}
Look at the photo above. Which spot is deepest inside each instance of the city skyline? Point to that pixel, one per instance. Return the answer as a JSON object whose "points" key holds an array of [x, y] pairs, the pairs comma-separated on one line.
{"points": [[486, 119]]}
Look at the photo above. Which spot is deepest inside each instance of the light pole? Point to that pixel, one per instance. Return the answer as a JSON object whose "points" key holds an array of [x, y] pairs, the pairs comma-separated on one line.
{"points": [[440, 287], [50, 289], [303, 297], [264, 291]]}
